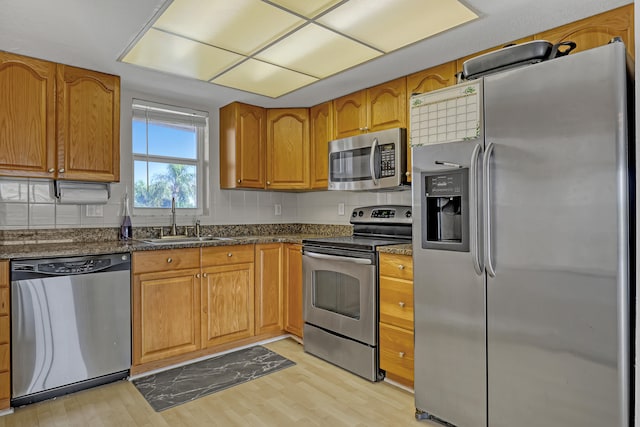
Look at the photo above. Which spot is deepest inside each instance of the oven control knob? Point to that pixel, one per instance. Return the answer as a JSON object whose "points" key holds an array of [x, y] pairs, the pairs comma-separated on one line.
{"points": [[354, 214], [360, 214], [408, 214]]}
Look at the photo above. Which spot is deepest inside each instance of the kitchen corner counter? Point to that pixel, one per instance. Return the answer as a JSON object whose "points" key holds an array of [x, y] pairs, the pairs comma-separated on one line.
{"points": [[404, 249]]}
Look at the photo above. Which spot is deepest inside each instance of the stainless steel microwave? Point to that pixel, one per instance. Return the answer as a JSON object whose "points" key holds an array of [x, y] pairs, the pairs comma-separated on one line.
{"points": [[371, 161]]}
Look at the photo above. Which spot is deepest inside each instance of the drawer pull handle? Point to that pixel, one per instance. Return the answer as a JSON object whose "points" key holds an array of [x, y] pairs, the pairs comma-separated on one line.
{"points": [[401, 267], [169, 260], [401, 354], [401, 304], [229, 254]]}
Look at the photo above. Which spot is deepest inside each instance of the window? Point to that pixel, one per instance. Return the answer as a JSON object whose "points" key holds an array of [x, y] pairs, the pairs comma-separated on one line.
{"points": [[167, 144]]}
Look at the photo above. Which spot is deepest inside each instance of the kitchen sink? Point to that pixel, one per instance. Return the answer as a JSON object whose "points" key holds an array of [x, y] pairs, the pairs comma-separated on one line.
{"points": [[171, 240]]}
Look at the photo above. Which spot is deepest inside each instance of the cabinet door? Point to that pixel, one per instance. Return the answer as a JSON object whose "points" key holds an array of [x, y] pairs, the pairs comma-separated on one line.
{"points": [[321, 132], [350, 114], [27, 116], [287, 149], [387, 105], [5, 338], [293, 320], [425, 81], [242, 146], [166, 314], [227, 303], [88, 125], [268, 291], [596, 30]]}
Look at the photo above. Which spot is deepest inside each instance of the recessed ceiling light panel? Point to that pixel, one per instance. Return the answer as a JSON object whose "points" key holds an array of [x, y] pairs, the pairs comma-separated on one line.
{"points": [[317, 51], [264, 79], [242, 26], [391, 24], [173, 54]]}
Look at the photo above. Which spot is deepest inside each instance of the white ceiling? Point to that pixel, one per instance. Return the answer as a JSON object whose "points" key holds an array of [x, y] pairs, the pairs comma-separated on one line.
{"points": [[94, 33]]}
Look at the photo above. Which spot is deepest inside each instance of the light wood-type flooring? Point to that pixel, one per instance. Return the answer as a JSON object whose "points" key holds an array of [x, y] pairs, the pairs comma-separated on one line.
{"points": [[312, 393]]}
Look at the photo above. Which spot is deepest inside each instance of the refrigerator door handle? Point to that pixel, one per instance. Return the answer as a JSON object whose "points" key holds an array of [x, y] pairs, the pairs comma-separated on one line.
{"points": [[474, 201], [486, 182], [372, 161]]}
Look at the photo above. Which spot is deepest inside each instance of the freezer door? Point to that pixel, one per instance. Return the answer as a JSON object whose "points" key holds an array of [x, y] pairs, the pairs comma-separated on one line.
{"points": [[557, 308], [449, 296]]}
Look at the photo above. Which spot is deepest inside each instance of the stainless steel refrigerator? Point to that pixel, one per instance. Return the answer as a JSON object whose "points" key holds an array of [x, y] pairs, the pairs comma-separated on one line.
{"points": [[521, 246]]}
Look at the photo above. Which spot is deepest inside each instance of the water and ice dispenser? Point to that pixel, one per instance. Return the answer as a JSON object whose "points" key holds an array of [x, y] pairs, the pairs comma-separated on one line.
{"points": [[445, 214]]}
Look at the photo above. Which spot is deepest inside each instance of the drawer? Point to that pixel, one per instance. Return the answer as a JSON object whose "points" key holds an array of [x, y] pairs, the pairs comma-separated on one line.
{"points": [[5, 385], [5, 331], [396, 351], [234, 254], [165, 260], [4, 301], [4, 273], [5, 357], [396, 302], [400, 266]]}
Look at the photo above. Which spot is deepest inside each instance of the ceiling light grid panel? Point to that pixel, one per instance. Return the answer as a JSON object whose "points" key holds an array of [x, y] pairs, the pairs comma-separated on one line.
{"points": [[273, 47]]}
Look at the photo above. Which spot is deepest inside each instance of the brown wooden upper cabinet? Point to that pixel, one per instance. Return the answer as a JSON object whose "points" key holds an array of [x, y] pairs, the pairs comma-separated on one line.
{"points": [[84, 142], [596, 30], [376, 108], [242, 146], [320, 133], [88, 125], [288, 149]]}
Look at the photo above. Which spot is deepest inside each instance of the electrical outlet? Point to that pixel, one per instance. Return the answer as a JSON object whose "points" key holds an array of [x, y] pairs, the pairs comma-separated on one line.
{"points": [[277, 209], [95, 211], [340, 208]]}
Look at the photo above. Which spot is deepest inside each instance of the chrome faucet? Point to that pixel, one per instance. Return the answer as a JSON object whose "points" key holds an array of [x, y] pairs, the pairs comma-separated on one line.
{"points": [[197, 231], [174, 231]]}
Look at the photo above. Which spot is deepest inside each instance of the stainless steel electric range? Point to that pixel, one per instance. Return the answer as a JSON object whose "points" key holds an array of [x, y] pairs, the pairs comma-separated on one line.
{"points": [[341, 288]]}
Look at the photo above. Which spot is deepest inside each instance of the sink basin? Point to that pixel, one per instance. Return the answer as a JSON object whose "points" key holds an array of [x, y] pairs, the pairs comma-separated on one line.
{"points": [[171, 240]]}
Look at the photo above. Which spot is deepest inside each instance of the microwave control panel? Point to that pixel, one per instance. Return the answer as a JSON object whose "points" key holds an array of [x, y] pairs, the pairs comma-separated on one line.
{"points": [[387, 160]]}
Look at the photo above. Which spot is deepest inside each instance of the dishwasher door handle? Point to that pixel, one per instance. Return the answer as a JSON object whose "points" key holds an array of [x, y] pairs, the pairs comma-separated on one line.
{"points": [[339, 258]]}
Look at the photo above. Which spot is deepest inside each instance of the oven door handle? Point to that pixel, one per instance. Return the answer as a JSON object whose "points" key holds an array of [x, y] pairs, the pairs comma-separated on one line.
{"points": [[339, 258]]}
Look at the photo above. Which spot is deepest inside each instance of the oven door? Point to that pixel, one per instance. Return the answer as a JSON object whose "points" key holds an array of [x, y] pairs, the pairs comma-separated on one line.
{"points": [[340, 294]]}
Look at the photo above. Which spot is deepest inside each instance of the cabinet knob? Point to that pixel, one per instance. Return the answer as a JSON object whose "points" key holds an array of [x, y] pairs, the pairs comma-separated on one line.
{"points": [[229, 254], [198, 276], [401, 354], [169, 260], [401, 267], [51, 170], [239, 181], [204, 274], [401, 304], [268, 182], [407, 173], [61, 170]]}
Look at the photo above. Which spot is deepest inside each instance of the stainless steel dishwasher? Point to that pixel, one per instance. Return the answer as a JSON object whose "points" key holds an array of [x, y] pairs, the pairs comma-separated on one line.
{"points": [[70, 324]]}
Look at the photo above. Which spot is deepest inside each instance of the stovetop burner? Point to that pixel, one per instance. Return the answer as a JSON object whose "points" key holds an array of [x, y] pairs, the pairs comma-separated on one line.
{"points": [[373, 226]]}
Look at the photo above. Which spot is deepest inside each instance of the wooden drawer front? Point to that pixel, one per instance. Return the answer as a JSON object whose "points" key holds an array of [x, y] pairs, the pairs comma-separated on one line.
{"points": [[4, 301], [4, 273], [5, 331], [166, 260], [396, 351], [396, 302], [221, 255], [400, 266]]}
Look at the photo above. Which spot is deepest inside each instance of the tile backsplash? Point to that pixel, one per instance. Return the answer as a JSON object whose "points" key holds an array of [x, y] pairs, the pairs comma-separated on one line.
{"points": [[31, 204]]}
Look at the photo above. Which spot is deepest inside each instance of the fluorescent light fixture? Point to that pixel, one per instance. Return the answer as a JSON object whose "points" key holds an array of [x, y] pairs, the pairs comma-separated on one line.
{"points": [[273, 47]]}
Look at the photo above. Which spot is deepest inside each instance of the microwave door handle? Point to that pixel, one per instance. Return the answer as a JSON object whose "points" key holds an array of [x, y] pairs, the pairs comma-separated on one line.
{"points": [[372, 161], [338, 258]]}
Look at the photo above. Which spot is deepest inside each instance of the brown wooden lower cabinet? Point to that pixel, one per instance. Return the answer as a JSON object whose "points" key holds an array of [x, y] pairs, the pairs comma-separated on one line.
{"points": [[293, 320], [5, 337], [396, 317], [268, 291], [227, 294]]}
